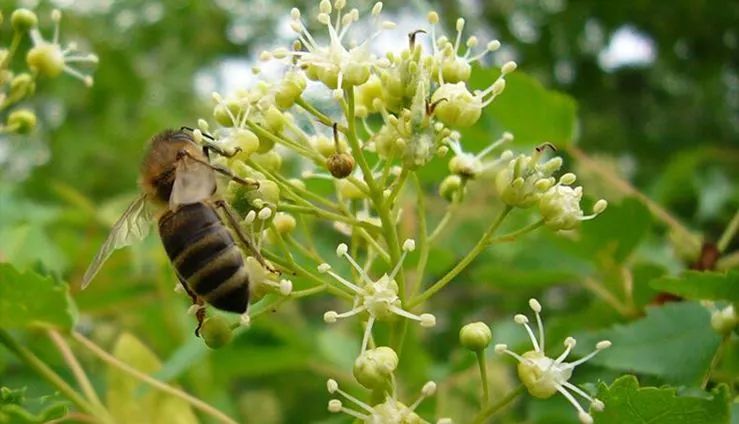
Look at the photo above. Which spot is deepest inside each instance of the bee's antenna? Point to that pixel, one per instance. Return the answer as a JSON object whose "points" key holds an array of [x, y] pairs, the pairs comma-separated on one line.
{"points": [[206, 135]]}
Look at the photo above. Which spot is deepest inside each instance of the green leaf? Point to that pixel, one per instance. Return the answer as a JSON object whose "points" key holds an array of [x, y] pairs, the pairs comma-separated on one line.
{"points": [[31, 299], [16, 408], [674, 342], [626, 402], [701, 285], [126, 404], [531, 112], [616, 232]]}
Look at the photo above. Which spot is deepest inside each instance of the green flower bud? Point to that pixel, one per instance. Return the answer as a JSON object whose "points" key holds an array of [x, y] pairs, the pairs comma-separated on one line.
{"points": [[265, 145], [349, 191], [373, 369], [456, 106], [340, 165], [284, 223], [455, 70], [271, 160], [246, 140], [22, 121], [475, 336], [365, 95], [274, 120], [268, 192], [216, 332], [23, 20], [21, 86], [724, 320], [290, 89], [450, 186], [46, 59], [221, 112]]}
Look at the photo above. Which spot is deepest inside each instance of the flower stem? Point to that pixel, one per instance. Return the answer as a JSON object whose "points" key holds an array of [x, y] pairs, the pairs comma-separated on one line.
{"points": [[729, 233], [115, 362], [482, 364], [323, 118], [512, 236], [494, 408], [471, 255], [48, 374]]}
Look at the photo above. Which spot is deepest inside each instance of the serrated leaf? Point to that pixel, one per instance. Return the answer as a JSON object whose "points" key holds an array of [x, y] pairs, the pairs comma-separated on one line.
{"points": [[125, 402], [27, 298], [617, 231], [674, 342], [527, 109], [699, 285], [626, 402]]}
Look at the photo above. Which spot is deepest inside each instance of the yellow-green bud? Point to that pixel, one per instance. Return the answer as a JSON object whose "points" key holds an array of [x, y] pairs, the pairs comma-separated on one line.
{"points": [[21, 121], [268, 192], [21, 85], [265, 144], [271, 160], [456, 106], [340, 165], [221, 115], [450, 186], [246, 140], [475, 336], [216, 332], [23, 20], [455, 70], [284, 223], [373, 369], [350, 191], [290, 89], [274, 120], [46, 59], [366, 94], [724, 320]]}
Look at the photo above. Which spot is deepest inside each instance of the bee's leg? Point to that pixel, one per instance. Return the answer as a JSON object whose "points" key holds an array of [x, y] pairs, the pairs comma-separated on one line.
{"points": [[234, 223], [221, 170], [196, 300]]}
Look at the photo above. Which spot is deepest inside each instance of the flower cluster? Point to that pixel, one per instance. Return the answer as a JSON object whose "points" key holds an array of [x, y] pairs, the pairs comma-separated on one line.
{"points": [[45, 58], [544, 376]]}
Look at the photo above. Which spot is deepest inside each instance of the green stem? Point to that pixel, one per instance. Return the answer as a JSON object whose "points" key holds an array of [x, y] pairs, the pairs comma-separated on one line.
{"points": [[14, 43], [494, 408], [322, 213], [471, 255], [312, 155], [512, 236], [48, 374], [729, 233], [323, 118], [423, 244], [482, 364]]}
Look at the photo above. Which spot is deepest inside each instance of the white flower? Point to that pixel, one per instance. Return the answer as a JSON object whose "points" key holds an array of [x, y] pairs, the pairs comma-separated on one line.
{"points": [[262, 280], [379, 298], [391, 411], [51, 59], [470, 165], [335, 64], [560, 205], [543, 376], [522, 181]]}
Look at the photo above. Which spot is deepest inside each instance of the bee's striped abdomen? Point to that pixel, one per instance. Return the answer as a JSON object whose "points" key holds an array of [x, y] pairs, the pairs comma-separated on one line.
{"points": [[205, 256]]}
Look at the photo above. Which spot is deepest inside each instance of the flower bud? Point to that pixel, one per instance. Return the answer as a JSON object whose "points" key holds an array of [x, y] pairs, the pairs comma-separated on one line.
{"points": [[350, 191], [373, 369], [455, 69], [290, 89], [216, 332], [365, 95], [340, 165], [724, 320], [284, 223], [46, 59], [244, 139], [268, 192], [274, 120], [21, 121], [221, 112], [271, 160], [475, 336], [23, 20], [21, 86], [560, 207], [450, 186], [456, 106]]}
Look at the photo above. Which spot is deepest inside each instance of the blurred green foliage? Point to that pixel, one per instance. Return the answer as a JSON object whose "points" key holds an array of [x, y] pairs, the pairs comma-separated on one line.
{"points": [[669, 127]]}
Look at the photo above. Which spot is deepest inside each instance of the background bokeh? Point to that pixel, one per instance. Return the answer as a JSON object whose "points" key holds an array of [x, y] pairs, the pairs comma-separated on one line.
{"points": [[656, 86]]}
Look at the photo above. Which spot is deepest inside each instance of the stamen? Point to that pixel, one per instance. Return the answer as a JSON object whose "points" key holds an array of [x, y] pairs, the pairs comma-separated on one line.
{"points": [[604, 344], [571, 398], [367, 332], [521, 319], [569, 344], [536, 307]]}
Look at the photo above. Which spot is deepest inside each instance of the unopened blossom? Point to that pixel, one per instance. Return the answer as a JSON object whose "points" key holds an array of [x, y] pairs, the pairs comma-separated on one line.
{"points": [[521, 182], [378, 298], [543, 376], [50, 59], [390, 411]]}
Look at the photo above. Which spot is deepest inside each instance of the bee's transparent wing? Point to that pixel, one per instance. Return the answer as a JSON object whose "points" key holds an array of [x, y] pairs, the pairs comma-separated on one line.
{"points": [[130, 228], [193, 183]]}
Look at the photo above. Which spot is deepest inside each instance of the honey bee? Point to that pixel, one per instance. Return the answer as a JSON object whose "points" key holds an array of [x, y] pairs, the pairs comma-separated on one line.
{"points": [[178, 185]]}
